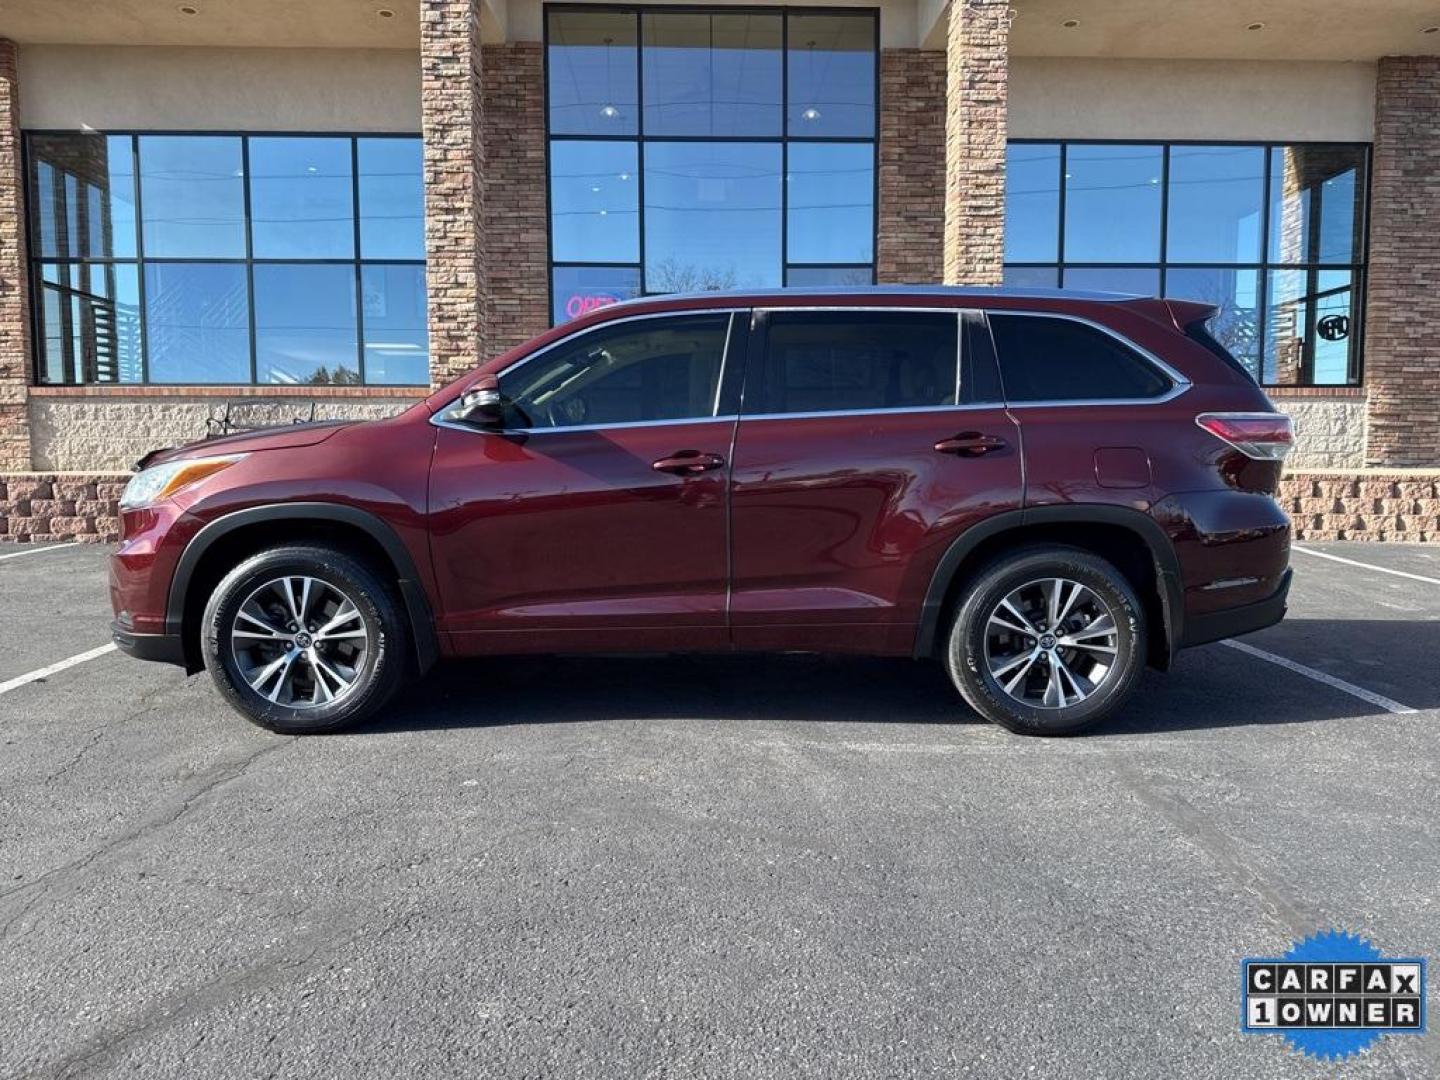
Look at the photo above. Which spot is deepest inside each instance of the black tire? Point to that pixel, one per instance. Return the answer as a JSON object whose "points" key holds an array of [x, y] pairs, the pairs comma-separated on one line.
{"points": [[967, 659], [377, 676]]}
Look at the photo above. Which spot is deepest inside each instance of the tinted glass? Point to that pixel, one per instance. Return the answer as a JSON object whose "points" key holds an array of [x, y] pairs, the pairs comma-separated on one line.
{"points": [[712, 74], [1236, 293], [653, 369], [832, 202], [90, 323], [397, 349], [712, 216], [1032, 202], [1216, 194], [193, 193], [1032, 277], [1043, 359], [831, 75], [579, 290], [301, 199], [1112, 203], [197, 320], [595, 202], [812, 276], [305, 327], [1316, 204], [82, 196], [831, 362], [593, 78], [1138, 281], [392, 199], [1311, 327]]}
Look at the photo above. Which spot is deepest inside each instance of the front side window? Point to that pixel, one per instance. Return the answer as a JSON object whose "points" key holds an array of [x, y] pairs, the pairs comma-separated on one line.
{"points": [[193, 259], [1273, 235], [642, 371], [1052, 359], [700, 150], [836, 362]]}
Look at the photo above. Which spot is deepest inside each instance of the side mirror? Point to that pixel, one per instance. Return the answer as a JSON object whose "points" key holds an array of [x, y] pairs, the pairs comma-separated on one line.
{"points": [[482, 405]]}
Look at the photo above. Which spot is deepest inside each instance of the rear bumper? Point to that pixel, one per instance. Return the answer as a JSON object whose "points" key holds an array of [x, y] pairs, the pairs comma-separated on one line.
{"points": [[165, 648], [1232, 622]]}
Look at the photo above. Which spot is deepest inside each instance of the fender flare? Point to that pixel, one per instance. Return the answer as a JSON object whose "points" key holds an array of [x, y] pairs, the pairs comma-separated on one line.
{"points": [[417, 604], [1167, 563]]}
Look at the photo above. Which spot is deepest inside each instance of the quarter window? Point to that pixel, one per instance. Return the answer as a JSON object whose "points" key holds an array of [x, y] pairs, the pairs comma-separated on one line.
{"points": [[828, 362], [1046, 359], [653, 369]]}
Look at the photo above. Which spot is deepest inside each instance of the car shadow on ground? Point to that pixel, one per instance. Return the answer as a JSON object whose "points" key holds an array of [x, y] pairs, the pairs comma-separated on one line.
{"points": [[1210, 687]]}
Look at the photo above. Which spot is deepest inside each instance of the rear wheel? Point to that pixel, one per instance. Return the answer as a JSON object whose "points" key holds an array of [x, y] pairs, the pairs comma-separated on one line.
{"points": [[304, 639], [1048, 641]]}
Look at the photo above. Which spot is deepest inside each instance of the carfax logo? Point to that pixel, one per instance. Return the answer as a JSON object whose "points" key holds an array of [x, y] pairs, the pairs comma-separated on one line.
{"points": [[1332, 995]]}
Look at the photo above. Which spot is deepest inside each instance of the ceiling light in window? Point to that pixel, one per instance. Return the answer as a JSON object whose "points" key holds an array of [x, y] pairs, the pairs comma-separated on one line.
{"points": [[1070, 24], [310, 169], [811, 114], [595, 189], [1256, 26], [609, 112], [624, 176]]}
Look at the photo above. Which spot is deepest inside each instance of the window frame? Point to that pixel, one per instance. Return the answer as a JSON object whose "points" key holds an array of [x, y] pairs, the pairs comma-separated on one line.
{"points": [[640, 138], [35, 261], [1357, 267]]}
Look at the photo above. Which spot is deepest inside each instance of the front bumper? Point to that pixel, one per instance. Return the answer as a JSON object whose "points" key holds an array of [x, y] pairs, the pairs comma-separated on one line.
{"points": [[1232, 622], [165, 648]]}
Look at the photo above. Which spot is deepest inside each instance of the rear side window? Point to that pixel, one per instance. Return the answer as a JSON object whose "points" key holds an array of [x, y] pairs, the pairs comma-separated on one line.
{"points": [[838, 362], [1199, 333], [1051, 359]]}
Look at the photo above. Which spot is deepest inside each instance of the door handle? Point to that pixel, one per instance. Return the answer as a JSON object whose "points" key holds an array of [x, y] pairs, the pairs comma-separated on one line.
{"points": [[971, 444], [688, 463]]}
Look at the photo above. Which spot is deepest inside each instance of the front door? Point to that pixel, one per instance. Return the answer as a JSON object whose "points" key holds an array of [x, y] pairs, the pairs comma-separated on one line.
{"points": [[597, 517], [868, 442]]}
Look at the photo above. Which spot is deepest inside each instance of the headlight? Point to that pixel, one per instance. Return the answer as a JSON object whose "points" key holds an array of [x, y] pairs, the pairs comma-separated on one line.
{"points": [[161, 481]]}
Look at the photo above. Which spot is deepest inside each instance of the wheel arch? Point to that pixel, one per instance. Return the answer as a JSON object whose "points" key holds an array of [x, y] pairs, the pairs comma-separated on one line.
{"points": [[1131, 539], [222, 542]]}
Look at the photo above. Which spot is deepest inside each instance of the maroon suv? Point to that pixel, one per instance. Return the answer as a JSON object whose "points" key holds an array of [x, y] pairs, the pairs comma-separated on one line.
{"points": [[1045, 491]]}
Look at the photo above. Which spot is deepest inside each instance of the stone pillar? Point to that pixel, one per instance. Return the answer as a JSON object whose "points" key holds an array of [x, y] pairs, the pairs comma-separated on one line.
{"points": [[15, 358], [452, 122], [976, 96], [910, 247], [1402, 373], [516, 240]]}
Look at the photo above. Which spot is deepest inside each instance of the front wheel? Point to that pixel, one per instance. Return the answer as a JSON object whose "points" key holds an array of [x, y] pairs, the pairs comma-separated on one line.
{"points": [[304, 639], [1049, 640]]}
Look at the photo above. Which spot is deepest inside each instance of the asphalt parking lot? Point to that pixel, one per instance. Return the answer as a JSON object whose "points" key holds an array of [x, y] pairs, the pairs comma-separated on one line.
{"points": [[735, 866]]}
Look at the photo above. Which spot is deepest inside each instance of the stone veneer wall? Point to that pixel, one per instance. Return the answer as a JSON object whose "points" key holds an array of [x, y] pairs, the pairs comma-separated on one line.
{"points": [[976, 101], [909, 248], [1329, 431], [1402, 374], [14, 284]]}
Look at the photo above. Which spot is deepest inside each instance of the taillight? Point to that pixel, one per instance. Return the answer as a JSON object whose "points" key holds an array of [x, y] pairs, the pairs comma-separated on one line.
{"points": [[1262, 436]]}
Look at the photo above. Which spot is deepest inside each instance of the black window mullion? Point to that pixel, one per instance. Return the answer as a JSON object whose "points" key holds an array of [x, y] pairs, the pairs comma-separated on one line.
{"points": [[359, 266], [249, 259], [639, 141], [143, 314]]}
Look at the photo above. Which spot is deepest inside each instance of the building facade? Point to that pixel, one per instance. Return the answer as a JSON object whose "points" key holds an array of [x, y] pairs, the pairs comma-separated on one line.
{"points": [[268, 209]]}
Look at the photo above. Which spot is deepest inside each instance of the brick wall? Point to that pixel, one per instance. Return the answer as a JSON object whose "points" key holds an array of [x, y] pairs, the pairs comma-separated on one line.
{"points": [[14, 285], [515, 226], [1402, 363], [452, 121], [1363, 505], [977, 95], [36, 507], [910, 247]]}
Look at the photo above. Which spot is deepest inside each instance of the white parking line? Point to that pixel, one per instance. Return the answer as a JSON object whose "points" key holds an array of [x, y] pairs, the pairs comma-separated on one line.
{"points": [[1321, 677], [51, 669], [1366, 565], [37, 550]]}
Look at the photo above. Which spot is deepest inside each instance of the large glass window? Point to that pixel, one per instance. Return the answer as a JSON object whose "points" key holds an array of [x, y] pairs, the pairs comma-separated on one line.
{"points": [[192, 259], [708, 149], [1273, 235]]}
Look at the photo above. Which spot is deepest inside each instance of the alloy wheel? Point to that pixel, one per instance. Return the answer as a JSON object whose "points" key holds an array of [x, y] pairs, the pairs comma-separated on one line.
{"points": [[299, 642], [1051, 643]]}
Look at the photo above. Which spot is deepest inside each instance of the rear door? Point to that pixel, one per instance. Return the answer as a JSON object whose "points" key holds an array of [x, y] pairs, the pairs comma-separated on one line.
{"points": [[869, 439]]}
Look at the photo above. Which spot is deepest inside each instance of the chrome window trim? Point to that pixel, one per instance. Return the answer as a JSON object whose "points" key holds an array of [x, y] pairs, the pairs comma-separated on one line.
{"points": [[1179, 384], [442, 419]]}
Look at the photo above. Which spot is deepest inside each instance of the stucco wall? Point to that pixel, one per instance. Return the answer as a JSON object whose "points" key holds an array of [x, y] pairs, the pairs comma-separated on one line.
{"points": [[93, 434], [1329, 432], [103, 87], [1068, 97]]}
